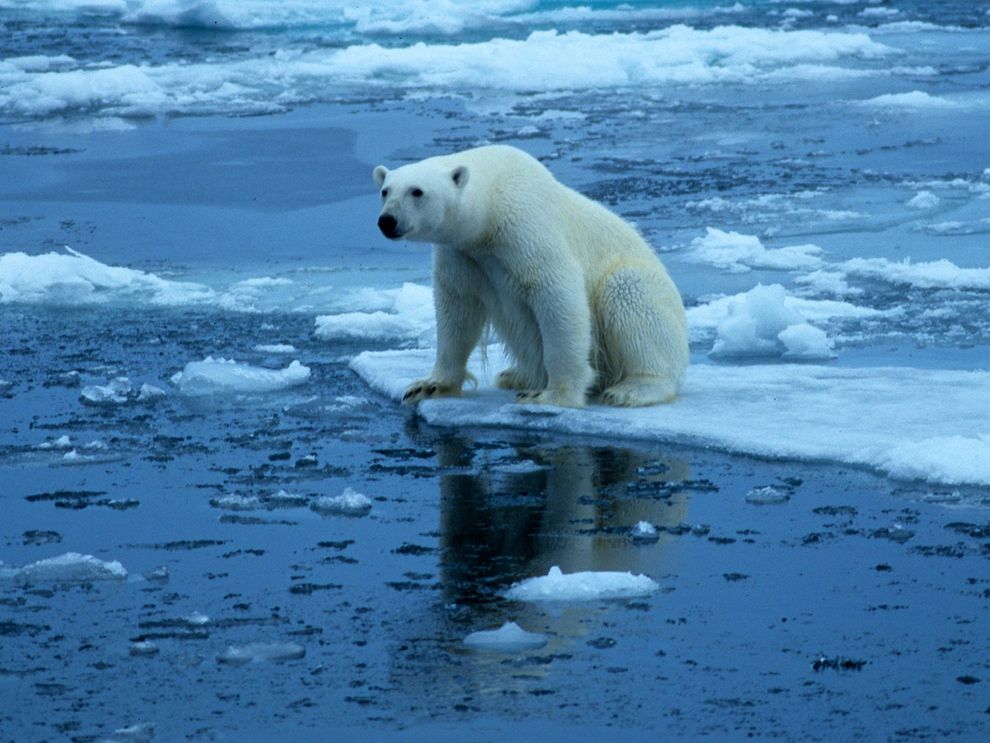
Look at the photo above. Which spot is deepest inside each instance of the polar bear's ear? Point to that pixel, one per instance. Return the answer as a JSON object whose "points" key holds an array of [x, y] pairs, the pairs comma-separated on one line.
{"points": [[460, 176], [379, 174]]}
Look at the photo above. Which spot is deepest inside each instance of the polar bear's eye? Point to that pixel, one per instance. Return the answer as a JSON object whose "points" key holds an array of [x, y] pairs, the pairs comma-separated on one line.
{"points": [[384, 193], [417, 192]]}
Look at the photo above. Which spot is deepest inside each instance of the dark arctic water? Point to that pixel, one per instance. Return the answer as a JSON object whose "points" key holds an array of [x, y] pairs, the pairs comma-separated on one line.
{"points": [[856, 607]]}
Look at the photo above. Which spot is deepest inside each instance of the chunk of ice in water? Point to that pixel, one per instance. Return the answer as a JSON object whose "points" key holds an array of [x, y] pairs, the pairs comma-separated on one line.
{"points": [[509, 638], [348, 503], [767, 496], [225, 376], [582, 586], [256, 652], [71, 567], [142, 732], [144, 647], [644, 531]]}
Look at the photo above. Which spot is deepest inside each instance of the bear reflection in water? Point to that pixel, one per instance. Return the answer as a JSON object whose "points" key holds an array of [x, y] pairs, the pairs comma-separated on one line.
{"points": [[510, 517]]}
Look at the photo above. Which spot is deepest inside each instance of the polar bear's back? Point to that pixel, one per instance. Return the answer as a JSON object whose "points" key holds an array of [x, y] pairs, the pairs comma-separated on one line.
{"points": [[516, 188]]}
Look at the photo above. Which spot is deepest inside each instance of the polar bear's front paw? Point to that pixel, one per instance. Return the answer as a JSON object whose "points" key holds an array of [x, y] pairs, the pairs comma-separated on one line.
{"points": [[551, 397], [510, 379], [424, 389]]}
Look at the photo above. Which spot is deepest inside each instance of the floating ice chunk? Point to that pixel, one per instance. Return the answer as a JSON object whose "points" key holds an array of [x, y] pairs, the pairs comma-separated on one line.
{"points": [[117, 392], [62, 442], [940, 274], [196, 618], [77, 279], [767, 495], [410, 317], [348, 503], [761, 323], [275, 348], [916, 99], [149, 392], [236, 502], [828, 282], [257, 652], [644, 531], [509, 638], [71, 567], [924, 200], [143, 647], [142, 732], [225, 377], [5, 386], [582, 586], [739, 253]]}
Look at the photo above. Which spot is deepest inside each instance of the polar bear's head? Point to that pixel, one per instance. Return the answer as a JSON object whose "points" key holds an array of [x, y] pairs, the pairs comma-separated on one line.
{"points": [[419, 201]]}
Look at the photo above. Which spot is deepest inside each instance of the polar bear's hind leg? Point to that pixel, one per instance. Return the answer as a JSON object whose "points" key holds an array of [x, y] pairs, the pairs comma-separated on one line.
{"points": [[642, 337]]}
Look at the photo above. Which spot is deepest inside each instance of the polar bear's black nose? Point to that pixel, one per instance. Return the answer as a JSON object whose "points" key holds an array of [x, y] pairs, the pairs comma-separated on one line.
{"points": [[387, 224]]}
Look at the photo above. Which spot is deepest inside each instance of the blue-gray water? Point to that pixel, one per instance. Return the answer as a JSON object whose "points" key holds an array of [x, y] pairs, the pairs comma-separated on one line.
{"points": [[221, 143]]}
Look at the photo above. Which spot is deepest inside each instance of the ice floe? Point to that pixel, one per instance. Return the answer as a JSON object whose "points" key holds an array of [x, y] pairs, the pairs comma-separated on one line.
{"points": [[72, 567], [222, 376], [348, 503], [509, 638], [738, 253], [582, 586], [878, 417], [119, 391], [257, 652], [545, 60], [72, 278], [760, 323], [407, 315]]}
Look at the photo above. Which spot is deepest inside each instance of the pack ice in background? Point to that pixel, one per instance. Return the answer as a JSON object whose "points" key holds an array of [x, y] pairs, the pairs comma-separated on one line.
{"points": [[218, 520]]}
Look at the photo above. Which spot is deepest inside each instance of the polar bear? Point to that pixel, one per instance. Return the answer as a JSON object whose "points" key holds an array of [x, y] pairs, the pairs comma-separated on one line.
{"points": [[580, 301]]}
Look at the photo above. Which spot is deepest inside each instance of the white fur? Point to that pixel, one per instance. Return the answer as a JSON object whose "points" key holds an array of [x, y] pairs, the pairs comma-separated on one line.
{"points": [[580, 300]]}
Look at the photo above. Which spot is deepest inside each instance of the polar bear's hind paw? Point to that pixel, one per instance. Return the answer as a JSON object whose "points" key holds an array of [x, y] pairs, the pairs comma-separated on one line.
{"points": [[635, 392]]}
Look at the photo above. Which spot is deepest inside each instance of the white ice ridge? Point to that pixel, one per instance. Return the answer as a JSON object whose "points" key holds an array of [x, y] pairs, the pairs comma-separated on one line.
{"points": [[543, 61], [71, 567], [509, 638], [926, 424], [227, 377], [72, 278], [405, 314], [738, 253], [582, 586]]}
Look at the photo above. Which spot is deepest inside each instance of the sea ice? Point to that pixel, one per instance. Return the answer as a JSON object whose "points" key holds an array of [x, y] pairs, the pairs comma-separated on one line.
{"points": [[227, 377], [72, 278], [348, 503], [256, 652], [738, 253], [828, 413], [509, 638], [767, 495], [409, 317], [275, 348], [924, 200], [582, 586], [761, 323], [71, 567], [644, 531]]}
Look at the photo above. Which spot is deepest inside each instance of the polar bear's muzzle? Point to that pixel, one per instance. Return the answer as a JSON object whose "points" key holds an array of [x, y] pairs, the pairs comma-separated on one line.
{"points": [[389, 226]]}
